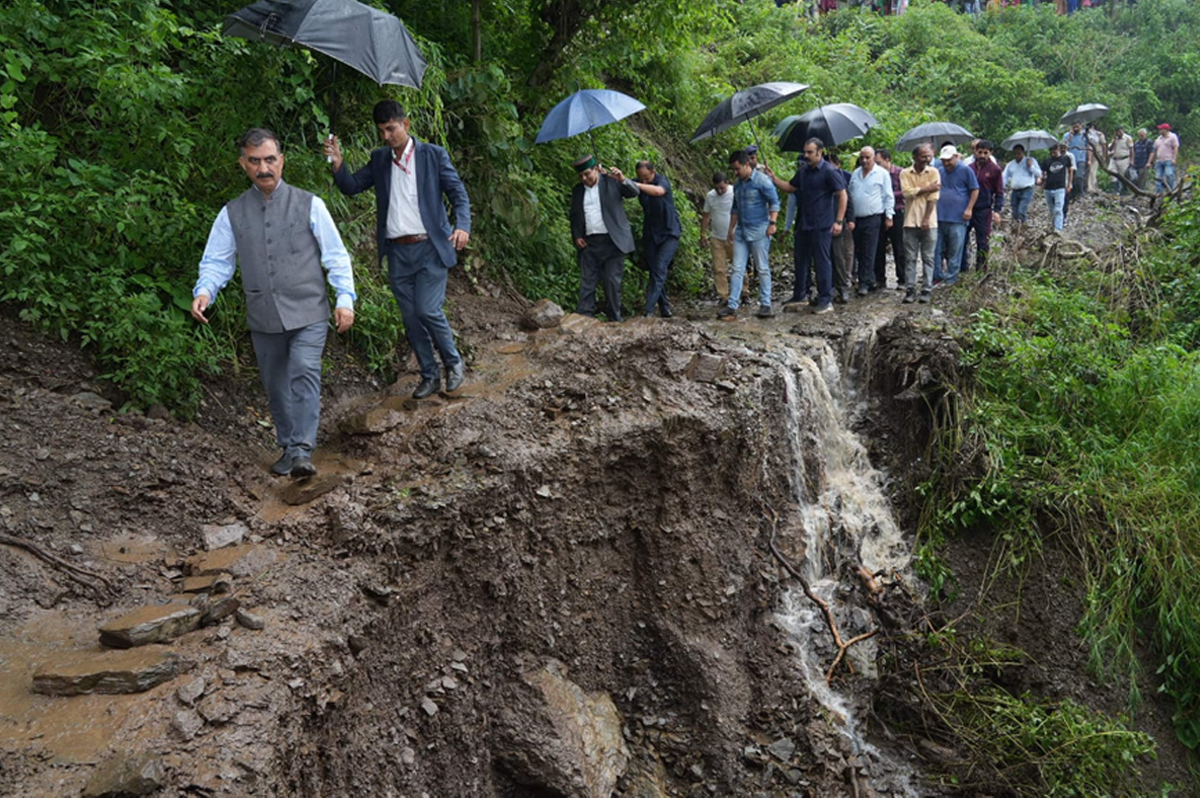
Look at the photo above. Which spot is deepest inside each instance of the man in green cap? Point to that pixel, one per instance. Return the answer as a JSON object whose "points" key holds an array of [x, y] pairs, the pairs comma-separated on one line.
{"points": [[601, 233]]}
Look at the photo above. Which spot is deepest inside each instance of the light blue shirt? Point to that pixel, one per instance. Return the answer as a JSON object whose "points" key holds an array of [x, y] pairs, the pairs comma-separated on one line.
{"points": [[871, 192], [218, 263], [1022, 174]]}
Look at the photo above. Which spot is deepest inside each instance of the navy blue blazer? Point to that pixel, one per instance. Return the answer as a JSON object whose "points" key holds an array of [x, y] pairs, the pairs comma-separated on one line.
{"points": [[436, 177]]}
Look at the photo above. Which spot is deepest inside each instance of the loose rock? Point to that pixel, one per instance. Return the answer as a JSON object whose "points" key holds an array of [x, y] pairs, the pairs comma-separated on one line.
{"points": [[220, 610], [241, 560], [124, 672], [150, 624], [705, 368], [251, 621], [191, 691], [218, 536], [186, 724], [297, 493], [543, 314], [207, 584], [123, 775]]}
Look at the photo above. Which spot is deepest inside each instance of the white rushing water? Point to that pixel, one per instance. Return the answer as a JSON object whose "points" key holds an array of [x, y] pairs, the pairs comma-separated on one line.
{"points": [[841, 520]]}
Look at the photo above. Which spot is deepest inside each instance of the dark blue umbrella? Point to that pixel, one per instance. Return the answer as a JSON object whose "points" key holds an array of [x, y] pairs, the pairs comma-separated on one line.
{"points": [[833, 124], [585, 111]]}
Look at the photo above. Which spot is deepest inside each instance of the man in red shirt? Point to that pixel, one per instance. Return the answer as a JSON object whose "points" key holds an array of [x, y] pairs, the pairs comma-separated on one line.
{"points": [[988, 204]]}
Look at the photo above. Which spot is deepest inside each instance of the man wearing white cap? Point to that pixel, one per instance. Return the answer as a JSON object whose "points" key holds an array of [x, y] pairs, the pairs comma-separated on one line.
{"points": [[956, 202]]}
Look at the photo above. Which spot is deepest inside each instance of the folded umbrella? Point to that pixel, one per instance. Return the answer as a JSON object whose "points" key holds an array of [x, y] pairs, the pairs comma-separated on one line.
{"points": [[833, 124], [1030, 140], [745, 104], [373, 42], [1084, 113], [933, 133]]}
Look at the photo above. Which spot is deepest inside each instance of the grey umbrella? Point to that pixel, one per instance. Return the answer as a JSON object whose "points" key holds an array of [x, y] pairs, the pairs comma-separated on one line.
{"points": [[745, 104], [372, 42], [1084, 113], [1030, 140], [933, 133], [833, 124]]}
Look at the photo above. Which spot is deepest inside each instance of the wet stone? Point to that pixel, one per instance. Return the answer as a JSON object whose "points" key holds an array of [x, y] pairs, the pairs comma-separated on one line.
{"points": [[186, 724], [297, 493], [428, 706], [220, 610], [207, 584], [250, 621], [783, 749], [705, 368], [191, 691], [216, 710], [124, 775], [543, 314], [577, 323], [150, 624], [124, 672], [218, 536], [408, 756], [374, 420], [91, 400], [241, 560]]}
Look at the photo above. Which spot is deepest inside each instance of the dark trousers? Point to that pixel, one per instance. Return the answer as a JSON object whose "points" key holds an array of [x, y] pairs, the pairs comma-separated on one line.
{"points": [[895, 235], [813, 247], [658, 261], [600, 261], [866, 246], [981, 224], [418, 279]]}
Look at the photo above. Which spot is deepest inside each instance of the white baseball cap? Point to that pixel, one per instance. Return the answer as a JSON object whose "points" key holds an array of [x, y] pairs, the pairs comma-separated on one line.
{"points": [[948, 152]]}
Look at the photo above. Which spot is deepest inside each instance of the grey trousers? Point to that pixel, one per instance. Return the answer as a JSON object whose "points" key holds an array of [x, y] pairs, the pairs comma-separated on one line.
{"points": [[919, 245], [418, 279], [289, 364]]}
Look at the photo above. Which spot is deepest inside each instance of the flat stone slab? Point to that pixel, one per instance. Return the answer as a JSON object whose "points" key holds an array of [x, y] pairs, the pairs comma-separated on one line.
{"points": [[297, 493], [374, 420], [575, 323], [126, 776], [218, 536], [705, 367], [150, 624], [240, 561], [111, 672], [207, 584]]}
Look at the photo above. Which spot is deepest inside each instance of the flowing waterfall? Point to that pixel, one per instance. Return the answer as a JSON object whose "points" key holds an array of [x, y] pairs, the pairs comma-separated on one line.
{"points": [[841, 520]]}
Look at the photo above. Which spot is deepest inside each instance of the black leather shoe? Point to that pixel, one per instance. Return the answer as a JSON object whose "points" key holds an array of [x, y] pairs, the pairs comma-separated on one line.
{"points": [[666, 313], [283, 466], [302, 467], [454, 377], [426, 387]]}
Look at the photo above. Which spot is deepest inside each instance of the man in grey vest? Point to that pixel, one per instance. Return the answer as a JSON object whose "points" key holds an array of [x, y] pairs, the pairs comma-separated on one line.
{"points": [[281, 236]]}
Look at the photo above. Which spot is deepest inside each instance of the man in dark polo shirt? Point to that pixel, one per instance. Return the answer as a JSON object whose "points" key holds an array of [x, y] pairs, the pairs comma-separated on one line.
{"points": [[820, 215]]}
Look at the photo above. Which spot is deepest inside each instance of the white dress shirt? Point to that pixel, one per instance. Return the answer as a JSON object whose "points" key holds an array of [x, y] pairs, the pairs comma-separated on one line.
{"points": [[404, 210], [593, 218]]}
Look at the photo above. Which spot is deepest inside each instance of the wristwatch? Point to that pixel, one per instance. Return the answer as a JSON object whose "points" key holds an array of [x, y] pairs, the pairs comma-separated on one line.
{"points": [[840, 222]]}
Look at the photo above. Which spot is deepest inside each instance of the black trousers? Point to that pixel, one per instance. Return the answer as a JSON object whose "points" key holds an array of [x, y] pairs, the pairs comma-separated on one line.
{"points": [[601, 261], [895, 235]]}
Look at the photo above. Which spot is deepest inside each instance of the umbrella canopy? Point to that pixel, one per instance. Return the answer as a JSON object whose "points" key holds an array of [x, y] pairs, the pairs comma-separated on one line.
{"points": [[1084, 113], [933, 133], [745, 104], [372, 42], [833, 124], [1030, 140], [585, 111]]}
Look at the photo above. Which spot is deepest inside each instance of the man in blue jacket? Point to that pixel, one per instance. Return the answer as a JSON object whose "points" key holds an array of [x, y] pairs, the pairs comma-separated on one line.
{"points": [[410, 178]]}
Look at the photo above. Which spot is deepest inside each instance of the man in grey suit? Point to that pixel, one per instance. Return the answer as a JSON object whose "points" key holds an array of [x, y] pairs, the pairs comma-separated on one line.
{"points": [[601, 233], [281, 236], [412, 230]]}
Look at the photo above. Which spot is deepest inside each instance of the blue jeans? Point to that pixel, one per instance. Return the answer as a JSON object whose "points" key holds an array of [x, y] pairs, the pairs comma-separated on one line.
{"points": [[1021, 199], [1164, 173], [951, 238], [658, 259], [1055, 200], [742, 249], [289, 365], [418, 279]]}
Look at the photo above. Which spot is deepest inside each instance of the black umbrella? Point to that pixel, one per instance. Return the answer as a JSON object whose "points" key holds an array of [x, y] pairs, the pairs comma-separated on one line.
{"points": [[833, 124], [374, 43], [746, 104], [1084, 113], [933, 133]]}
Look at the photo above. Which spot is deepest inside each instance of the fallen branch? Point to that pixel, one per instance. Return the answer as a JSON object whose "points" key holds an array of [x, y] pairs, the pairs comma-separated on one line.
{"points": [[94, 582], [826, 610]]}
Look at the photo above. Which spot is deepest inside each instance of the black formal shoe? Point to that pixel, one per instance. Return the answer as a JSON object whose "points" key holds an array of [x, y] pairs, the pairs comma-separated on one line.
{"points": [[454, 377], [302, 467], [666, 313], [284, 465], [426, 387]]}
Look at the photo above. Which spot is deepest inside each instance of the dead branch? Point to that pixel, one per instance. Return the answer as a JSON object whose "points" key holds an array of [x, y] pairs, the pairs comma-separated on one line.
{"points": [[826, 609], [94, 582]]}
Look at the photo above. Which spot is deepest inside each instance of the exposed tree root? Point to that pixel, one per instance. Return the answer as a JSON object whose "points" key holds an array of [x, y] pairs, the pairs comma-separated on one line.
{"points": [[96, 584]]}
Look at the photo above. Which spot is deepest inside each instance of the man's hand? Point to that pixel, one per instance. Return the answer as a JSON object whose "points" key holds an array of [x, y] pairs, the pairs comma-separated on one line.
{"points": [[996, 218], [344, 318], [581, 242], [926, 224], [850, 226], [836, 230], [199, 303], [967, 214], [459, 238], [333, 149], [887, 223], [616, 174]]}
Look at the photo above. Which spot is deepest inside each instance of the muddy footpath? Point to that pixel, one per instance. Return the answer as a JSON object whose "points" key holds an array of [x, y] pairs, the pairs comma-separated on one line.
{"points": [[557, 582]]}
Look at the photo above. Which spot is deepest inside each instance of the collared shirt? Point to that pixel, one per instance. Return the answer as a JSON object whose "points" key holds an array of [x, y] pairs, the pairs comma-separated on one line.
{"points": [[754, 200], [871, 193], [404, 209], [897, 190], [991, 185], [1077, 143], [719, 207], [918, 204], [957, 185], [593, 217], [815, 190], [1122, 147], [1166, 148], [218, 263], [1022, 174], [1142, 148]]}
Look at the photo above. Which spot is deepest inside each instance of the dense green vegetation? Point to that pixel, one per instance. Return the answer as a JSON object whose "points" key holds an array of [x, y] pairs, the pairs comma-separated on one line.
{"points": [[118, 120]]}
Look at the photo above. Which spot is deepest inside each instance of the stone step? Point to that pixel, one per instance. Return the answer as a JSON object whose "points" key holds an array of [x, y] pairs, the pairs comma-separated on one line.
{"points": [[109, 672], [150, 624]]}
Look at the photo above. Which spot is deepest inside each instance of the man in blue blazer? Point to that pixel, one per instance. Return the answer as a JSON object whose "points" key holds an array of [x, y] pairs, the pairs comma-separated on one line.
{"points": [[414, 233]]}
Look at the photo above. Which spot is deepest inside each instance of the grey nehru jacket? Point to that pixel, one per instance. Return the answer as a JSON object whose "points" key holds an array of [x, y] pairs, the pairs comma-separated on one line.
{"points": [[280, 259]]}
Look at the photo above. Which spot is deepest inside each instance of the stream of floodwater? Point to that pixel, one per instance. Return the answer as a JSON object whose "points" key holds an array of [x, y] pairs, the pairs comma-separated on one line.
{"points": [[842, 519]]}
